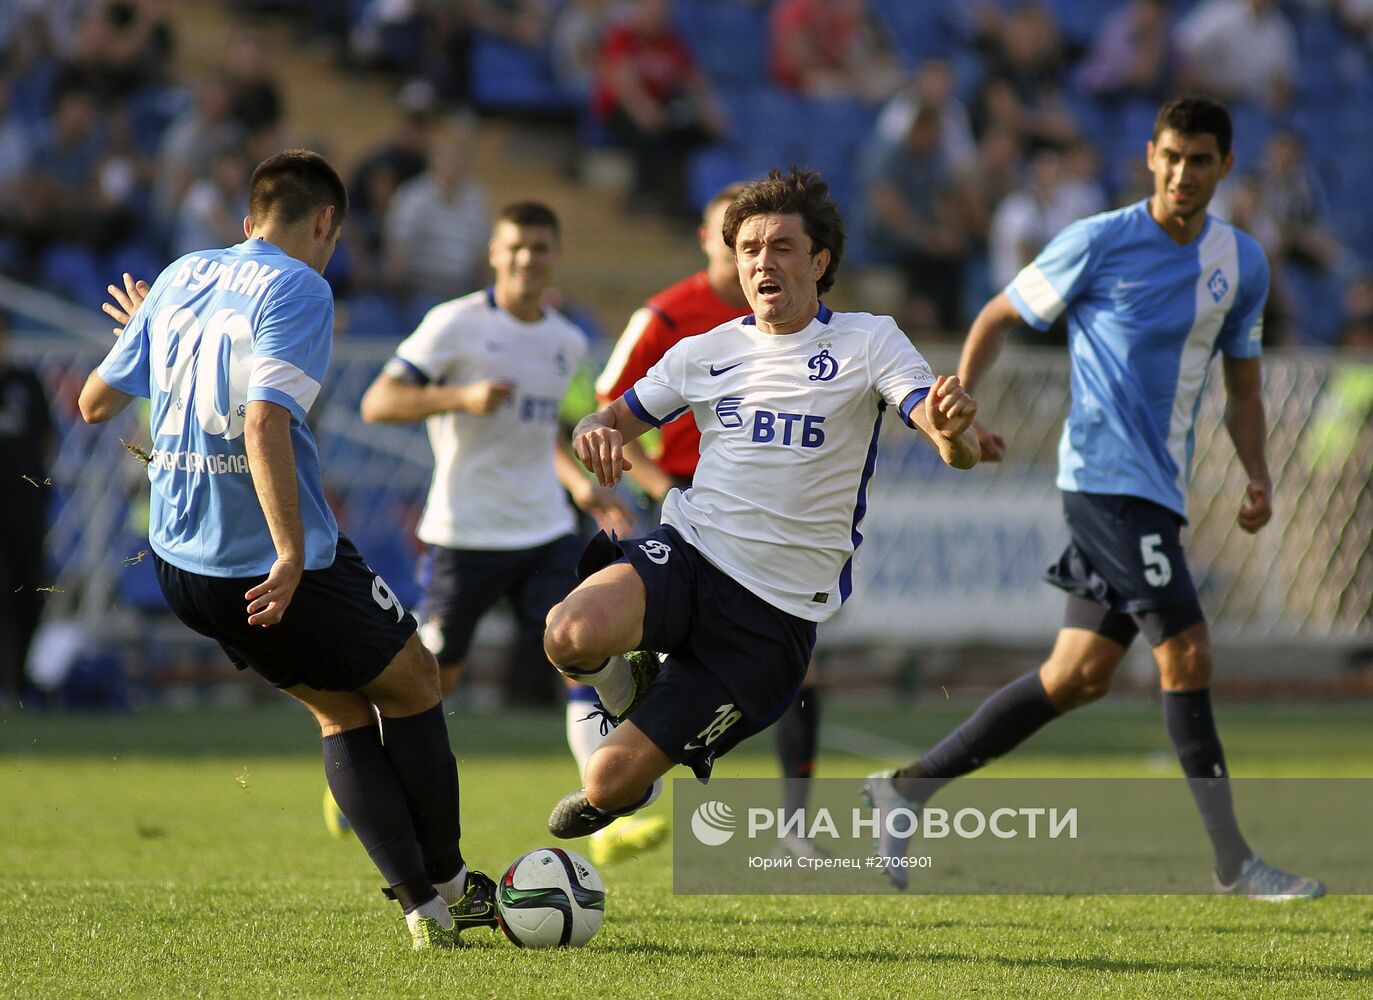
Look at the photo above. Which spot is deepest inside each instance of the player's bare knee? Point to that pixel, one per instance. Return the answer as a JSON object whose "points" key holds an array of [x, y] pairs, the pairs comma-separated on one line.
{"points": [[1187, 673], [569, 638], [1184, 660], [1075, 685]]}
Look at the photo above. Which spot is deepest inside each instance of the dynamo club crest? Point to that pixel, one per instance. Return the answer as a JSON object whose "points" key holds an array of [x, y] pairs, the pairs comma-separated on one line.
{"points": [[824, 366]]}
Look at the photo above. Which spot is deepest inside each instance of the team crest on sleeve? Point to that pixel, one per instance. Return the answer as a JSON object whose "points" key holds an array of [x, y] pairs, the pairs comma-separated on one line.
{"points": [[727, 411], [1217, 285], [823, 365]]}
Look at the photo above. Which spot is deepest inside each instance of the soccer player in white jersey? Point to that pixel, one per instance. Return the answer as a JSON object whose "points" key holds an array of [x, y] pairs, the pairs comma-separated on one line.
{"points": [[1152, 293], [230, 346], [730, 588], [487, 372]]}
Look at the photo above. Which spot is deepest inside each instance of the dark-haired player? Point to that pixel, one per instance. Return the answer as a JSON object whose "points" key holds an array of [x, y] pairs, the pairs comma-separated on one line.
{"points": [[1153, 292], [230, 346], [730, 588], [697, 304]]}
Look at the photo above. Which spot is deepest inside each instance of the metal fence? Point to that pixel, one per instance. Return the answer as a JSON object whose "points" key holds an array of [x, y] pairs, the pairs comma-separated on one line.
{"points": [[949, 557]]}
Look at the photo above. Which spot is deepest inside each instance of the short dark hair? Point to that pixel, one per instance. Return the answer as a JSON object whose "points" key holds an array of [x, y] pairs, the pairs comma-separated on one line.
{"points": [[797, 192], [1196, 116], [293, 185], [530, 213]]}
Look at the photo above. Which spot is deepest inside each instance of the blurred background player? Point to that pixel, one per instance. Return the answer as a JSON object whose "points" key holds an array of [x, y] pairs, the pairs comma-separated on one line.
{"points": [[231, 347], [1152, 292], [488, 372], [696, 305], [26, 447]]}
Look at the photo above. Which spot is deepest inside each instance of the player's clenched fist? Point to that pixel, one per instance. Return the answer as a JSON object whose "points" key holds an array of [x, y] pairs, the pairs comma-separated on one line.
{"points": [[950, 407]]}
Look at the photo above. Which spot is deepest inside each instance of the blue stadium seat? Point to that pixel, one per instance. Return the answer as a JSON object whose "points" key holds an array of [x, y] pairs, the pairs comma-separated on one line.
{"points": [[710, 169], [510, 77], [1080, 20], [74, 272], [1319, 308], [917, 28], [728, 38], [152, 110]]}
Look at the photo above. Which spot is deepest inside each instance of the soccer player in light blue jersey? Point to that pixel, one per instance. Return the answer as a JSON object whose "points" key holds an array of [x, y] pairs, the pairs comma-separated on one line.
{"points": [[230, 347], [1152, 292]]}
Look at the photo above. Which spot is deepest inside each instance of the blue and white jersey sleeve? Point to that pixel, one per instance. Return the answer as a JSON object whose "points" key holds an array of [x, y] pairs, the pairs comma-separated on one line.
{"points": [[901, 376], [1045, 286], [292, 343], [433, 351], [126, 367], [660, 396], [1242, 334]]}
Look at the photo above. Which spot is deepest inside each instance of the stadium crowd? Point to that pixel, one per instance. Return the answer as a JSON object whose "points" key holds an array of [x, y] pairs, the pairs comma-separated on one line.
{"points": [[957, 136]]}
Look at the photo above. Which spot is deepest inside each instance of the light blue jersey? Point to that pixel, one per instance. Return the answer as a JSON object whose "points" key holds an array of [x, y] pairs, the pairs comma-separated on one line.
{"points": [[218, 329], [1145, 319]]}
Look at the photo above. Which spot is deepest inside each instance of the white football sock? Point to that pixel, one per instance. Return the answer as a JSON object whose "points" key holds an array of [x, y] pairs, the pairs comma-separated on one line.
{"points": [[435, 908], [452, 890], [583, 731], [614, 685]]}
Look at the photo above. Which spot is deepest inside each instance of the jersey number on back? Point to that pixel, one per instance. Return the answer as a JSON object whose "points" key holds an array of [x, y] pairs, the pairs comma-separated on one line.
{"points": [[208, 364]]}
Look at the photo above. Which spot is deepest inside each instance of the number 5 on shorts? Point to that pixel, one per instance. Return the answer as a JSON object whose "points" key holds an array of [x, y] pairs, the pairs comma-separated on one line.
{"points": [[1157, 569]]}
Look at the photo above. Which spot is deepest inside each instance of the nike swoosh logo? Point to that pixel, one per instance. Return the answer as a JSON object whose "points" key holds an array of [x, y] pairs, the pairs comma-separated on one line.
{"points": [[727, 368], [1122, 283], [693, 746]]}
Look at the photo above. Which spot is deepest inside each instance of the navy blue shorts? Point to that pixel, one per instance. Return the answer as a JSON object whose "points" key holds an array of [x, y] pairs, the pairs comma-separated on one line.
{"points": [[1125, 554], [342, 628], [733, 662], [461, 585]]}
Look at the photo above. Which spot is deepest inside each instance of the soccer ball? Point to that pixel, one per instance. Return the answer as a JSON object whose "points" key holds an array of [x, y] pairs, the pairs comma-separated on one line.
{"points": [[550, 898]]}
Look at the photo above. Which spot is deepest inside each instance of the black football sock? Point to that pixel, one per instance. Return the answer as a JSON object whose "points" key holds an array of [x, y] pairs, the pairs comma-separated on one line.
{"points": [[1000, 724], [417, 746], [796, 735], [1192, 728], [365, 786]]}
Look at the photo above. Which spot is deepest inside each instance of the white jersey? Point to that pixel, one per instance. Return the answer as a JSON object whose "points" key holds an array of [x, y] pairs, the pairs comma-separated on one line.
{"points": [[494, 486], [789, 427]]}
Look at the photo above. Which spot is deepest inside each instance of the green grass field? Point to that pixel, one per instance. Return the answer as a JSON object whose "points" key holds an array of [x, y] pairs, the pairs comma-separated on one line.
{"points": [[181, 854]]}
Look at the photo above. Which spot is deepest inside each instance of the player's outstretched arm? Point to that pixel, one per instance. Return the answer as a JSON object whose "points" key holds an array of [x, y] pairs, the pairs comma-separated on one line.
{"points": [[390, 400], [598, 440], [946, 418], [986, 338], [1248, 427], [272, 462]]}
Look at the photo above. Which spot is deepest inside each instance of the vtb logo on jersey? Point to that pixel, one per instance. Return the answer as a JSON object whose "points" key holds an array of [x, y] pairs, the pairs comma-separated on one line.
{"points": [[727, 411], [824, 365]]}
